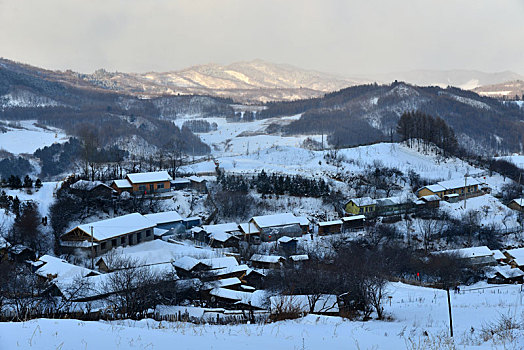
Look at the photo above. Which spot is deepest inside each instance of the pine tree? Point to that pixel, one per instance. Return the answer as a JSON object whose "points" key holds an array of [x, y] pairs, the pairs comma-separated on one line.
{"points": [[28, 182]]}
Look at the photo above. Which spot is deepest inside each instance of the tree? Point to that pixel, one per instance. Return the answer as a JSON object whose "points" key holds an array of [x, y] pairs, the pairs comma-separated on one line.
{"points": [[14, 182], [38, 183], [26, 228], [28, 182]]}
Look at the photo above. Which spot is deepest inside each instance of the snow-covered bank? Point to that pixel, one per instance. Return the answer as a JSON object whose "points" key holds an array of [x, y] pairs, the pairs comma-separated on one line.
{"points": [[419, 320]]}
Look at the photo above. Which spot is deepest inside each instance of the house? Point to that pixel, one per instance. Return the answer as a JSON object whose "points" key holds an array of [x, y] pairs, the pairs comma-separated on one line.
{"points": [[254, 277], [224, 297], [49, 268], [272, 227], [452, 197], [187, 267], [191, 222], [515, 257], [144, 183], [21, 253], [198, 183], [505, 274], [250, 232], [166, 220], [267, 261], [101, 236], [94, 188], [462, 186], [429, 201], [180, 183], [219, 235], [364, 205], [474, 256], [222, 240], [297, 259], [288, 245], [354, 222], [393, 205], [517, 204], [329, 227]]}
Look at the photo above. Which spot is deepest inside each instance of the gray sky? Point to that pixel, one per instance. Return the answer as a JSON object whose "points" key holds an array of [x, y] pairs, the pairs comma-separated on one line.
{"points": [[346, 36]]}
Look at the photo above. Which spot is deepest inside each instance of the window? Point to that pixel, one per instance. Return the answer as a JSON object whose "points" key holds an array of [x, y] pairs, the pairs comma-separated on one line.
{"points": [[123, 240], [361, 210], [131, 239], [113, 243], [160, 186], [103, 246], [139, 237], [148, 233], [142, 188]]}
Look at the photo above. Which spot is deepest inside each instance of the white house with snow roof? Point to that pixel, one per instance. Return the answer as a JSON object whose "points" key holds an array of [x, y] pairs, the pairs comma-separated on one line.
{"points": [[272, 227], [101, 236]]}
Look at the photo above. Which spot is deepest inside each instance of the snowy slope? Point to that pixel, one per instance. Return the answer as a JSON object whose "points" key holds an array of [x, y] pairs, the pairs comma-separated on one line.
{"points": [[415, 311], [29, 137]]}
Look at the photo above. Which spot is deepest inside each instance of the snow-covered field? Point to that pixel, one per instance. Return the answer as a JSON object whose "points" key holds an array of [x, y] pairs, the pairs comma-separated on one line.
{"points": [[419, 320], [241, 138], [28, 138]]}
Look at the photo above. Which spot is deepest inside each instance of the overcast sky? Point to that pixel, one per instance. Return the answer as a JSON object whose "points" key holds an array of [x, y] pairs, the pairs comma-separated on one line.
{"points": [[345, 36]]}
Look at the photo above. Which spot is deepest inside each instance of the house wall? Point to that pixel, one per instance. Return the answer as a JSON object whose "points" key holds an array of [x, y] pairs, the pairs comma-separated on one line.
{"points": [[352, 208], [515, 206], [324, 230], [425, 192], [152, 187]]}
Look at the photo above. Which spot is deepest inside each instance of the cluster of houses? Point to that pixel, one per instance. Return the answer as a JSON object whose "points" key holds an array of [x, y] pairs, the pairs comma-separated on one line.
{"points": [[426, 197]]}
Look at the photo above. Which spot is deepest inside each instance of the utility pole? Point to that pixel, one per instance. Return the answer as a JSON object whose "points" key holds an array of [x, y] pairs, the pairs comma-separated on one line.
{"points": [[92, 250], [465, 189], [450, 317]]}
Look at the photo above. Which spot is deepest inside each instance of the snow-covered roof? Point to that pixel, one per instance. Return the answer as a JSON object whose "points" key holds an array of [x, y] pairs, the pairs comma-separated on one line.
{"points": [[354, 217], [430, 198], [219, 263], [60, 268], [267, 258], [507, 271], [220, 236], [228, 270], [330, 223], [121, 225], [256, 298], [87, 185], [154, 176], [451, 195], [122, 183], [286, 239], [498, 255], [164, 217], [159, 231], [78, 244], [452, 184], [186, 263], [468, 253], [248, 228], [226, 282], [181, 180], [363, 201], [279, 220], [196, 179], [324, 304], [229, 227], [519, 201], [517, 255], [300, 257]]}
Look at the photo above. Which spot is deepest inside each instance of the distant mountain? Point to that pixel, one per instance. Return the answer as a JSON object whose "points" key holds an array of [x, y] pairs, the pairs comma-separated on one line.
{"points": [[464, 79], [508, 89], [244, 81], [370, 113]]}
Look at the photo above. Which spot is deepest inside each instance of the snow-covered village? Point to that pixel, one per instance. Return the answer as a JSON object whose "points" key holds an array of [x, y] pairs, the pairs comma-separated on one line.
{"points": [[160, 204]]}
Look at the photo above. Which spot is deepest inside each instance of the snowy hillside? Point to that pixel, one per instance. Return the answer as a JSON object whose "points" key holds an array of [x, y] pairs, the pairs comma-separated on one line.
{"points": [[26, 137]]}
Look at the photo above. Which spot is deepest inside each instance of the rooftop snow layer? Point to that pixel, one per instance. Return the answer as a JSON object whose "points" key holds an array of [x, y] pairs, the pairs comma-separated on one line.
{"points": [[278, 220], [155, 176], [164, 217], [106, 229], [123, 183]]}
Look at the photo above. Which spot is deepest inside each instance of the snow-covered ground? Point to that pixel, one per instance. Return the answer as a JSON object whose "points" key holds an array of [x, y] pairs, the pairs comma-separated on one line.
{"points": [[28, 138], [517, 159], [294, 160], [241, 138], [419, 320]]}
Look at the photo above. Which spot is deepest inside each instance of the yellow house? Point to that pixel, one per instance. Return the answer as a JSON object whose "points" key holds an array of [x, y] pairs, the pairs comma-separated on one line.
{"points": [[468, 185], [152, 182], [364, 205]]}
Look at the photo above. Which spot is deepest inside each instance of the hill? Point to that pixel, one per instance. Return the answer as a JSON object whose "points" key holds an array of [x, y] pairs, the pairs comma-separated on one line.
{"points": [[370, 113]]}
